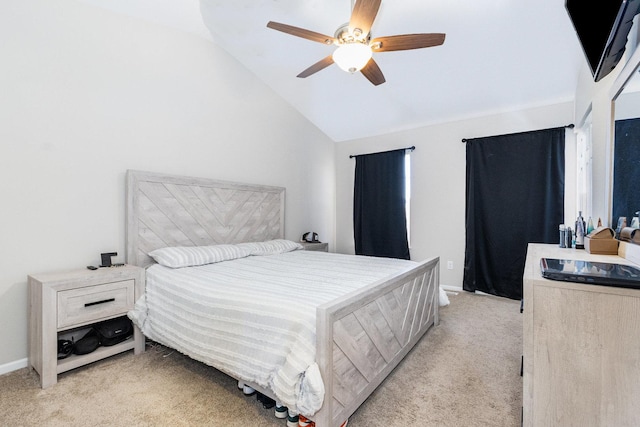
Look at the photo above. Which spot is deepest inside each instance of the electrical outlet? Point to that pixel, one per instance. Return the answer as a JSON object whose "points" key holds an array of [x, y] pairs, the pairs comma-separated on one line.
{"points": [[449, 265]]}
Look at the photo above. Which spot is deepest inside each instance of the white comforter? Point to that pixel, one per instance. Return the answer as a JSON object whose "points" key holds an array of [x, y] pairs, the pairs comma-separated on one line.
{"points": [[254, 318]]}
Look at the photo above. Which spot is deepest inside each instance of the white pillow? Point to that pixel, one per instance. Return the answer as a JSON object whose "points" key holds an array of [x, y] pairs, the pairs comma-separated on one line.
{"points": [[270, 247], [187, 256]]}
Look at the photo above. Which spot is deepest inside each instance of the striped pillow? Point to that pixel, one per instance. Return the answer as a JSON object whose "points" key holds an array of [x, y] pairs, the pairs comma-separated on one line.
{"points": [[187, 256], [277, 246]]}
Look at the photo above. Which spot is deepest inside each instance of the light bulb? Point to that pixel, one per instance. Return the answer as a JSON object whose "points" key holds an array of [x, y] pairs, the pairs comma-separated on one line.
{"points": [[352, 57]]}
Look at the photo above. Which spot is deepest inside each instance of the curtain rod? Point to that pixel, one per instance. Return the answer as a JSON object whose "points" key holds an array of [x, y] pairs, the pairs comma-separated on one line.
{"points": [[408, 148], [570, 126]]}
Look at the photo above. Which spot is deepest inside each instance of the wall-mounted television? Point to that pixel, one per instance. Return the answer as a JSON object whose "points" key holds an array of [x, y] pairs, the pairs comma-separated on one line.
{"points": [[602, 27]]}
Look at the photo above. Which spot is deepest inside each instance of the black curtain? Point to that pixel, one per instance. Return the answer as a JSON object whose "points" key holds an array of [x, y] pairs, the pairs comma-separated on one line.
{"points": [[514, 195], [379, 217], [626, 170]]}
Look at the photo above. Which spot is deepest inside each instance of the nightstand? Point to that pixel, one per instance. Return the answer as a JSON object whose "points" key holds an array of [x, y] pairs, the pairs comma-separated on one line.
{"points": [[64, 302], [321, 247]]}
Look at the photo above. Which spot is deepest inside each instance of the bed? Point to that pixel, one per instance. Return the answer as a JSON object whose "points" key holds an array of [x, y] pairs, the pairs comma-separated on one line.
{"points": [[355, 333]]}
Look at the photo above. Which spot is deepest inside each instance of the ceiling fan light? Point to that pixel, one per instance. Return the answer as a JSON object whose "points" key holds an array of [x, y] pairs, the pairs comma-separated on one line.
{"points": [[352, 57]]}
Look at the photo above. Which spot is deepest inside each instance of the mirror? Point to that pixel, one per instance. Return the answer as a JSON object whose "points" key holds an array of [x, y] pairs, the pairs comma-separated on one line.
{"points": [[625, 150]]}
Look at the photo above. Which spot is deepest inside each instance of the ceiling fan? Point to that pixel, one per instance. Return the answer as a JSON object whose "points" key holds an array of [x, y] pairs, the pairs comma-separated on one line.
{"points": [[355, 46]]}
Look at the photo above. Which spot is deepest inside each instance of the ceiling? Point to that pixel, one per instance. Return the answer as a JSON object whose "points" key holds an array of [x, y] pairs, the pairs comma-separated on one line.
{"points": [[498, 56]]}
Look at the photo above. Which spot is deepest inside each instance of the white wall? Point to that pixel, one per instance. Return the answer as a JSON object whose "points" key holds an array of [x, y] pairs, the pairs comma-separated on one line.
{"points": [[87, 94], [438, 180]]}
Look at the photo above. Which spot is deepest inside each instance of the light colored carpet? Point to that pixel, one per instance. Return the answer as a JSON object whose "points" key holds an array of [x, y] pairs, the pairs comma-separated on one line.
{"points": [[464, 372]]}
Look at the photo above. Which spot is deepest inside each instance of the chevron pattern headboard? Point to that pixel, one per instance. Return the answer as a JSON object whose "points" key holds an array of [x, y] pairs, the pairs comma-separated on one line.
{"points": [[168, 210]]}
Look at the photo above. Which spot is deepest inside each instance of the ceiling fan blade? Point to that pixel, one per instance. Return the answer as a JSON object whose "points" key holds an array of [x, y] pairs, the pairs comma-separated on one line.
{"points": [[363, 14], [406, 42], [301, 32], [373, 73], [320, 65]]}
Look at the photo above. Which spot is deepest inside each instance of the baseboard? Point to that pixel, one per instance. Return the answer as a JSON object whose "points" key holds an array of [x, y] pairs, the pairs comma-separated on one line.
{"points": [[483, 293], [449, 288], [13, 366]]}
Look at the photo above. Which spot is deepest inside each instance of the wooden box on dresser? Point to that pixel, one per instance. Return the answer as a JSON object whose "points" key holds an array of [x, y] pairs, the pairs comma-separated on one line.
{"points": [[61, 302], [581, 346]]}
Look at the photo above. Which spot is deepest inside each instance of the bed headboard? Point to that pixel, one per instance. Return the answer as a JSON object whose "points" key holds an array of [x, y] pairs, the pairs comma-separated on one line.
{"points": [[167, 210]]}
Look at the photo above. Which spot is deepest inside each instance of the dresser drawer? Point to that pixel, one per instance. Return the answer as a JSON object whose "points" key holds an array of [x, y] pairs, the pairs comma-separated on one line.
{"points": [[89, 303]]}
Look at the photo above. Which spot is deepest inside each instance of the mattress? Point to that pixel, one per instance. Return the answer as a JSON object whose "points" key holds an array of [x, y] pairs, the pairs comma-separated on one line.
{"points": [[254, 318]]}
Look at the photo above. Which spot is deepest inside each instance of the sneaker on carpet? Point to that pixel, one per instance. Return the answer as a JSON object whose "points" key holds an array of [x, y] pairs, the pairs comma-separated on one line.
{"points": [[248, 391], [281, 411], [305, 422], [292, 421]]}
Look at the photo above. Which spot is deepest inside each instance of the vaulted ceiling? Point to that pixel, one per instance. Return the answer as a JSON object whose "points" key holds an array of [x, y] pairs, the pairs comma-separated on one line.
{"points": [[498, 56]]}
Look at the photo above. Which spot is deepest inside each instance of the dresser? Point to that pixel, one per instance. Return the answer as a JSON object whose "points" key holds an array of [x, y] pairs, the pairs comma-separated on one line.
{"points": [[581, 364]]}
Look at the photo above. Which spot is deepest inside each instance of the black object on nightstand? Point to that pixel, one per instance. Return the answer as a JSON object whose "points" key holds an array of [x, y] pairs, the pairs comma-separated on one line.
{"points": [[106, 258]]}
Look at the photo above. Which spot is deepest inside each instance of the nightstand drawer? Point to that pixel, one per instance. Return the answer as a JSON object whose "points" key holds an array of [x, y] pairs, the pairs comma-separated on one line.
{"points": [[317, 246], [87, 304]]}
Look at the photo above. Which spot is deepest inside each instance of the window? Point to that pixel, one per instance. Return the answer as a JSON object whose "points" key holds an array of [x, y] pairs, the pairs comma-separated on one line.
{"points": [[583, 171], [379, 205]]}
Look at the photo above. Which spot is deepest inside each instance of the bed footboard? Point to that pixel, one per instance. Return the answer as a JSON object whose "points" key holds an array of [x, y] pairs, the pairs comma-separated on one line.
{"points": [[364, 335]]}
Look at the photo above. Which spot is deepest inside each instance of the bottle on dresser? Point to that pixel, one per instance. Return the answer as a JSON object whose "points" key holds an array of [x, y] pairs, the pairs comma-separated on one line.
{"points": [[580, 231]]}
